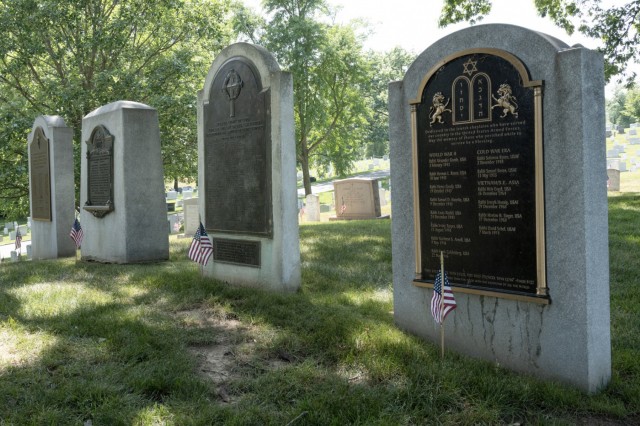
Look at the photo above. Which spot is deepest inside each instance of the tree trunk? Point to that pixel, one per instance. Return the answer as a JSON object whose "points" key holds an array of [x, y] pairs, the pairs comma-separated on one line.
{"points": [[306, 179], [175, 184]]}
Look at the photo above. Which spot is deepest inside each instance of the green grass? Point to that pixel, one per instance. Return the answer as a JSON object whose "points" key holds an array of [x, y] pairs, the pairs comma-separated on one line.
{"points": [[123, 344]]}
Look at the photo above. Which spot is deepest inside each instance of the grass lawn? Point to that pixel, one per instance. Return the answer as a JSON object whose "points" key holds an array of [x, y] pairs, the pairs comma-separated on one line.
{"points": [[158, 344]]}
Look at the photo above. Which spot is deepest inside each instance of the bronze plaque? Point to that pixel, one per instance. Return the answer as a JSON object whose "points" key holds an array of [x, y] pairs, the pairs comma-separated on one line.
{"points": [[246, 253], [479, 174], [39, 168], [99, 172], [237, 150]]}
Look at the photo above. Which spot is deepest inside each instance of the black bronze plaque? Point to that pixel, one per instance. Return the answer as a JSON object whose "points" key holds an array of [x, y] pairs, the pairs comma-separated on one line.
{"points": [[476, 172], [237, 152], [99, 172], [40, 177], [245, 253]]}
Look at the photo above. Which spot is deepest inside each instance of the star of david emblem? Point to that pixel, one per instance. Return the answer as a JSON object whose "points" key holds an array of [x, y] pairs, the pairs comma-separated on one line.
{"points": [[470, 67]]}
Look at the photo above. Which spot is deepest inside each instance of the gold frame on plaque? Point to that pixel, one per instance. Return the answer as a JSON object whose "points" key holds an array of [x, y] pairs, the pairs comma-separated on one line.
{"points": [[541, 291]]}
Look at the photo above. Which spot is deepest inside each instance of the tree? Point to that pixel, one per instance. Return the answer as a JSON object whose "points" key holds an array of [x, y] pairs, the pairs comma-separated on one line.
{"points": [[632, 104], [618, 27], [67, 57], [15, 125], [387, 67], [330, 78], [615, 107]]}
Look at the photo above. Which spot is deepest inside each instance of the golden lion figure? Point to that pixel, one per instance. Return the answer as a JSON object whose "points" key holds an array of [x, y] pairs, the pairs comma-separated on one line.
{"points": [[438, 108], [506, 101]]}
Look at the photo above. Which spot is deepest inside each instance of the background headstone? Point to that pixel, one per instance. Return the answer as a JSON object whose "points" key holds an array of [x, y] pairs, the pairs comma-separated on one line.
{"points": [[174, 224], [613, 180], [383, 197], [131, 225], [357, 198], [312, 208], [191, 216], [247, 170], [568, 339]]}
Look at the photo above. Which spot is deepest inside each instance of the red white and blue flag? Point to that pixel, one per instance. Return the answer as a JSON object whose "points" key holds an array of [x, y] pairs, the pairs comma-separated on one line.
{"points": [[442, 301], [76, 233], [201, 248]]}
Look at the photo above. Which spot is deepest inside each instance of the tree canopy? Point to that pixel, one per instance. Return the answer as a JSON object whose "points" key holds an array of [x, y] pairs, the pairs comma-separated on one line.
{"points": [[624, 106], [387, 67], [617, 26], [68, 57], [331, 76]]}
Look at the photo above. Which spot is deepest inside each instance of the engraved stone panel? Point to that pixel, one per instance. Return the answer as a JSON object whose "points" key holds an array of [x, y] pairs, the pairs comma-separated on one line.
{"points": [[100, 172], [237, 149], [40, 177], [476, 159], [245, 253]]}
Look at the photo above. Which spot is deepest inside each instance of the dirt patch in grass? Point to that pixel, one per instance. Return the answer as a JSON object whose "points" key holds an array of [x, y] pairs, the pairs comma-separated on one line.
{"points": [[227, 352]]}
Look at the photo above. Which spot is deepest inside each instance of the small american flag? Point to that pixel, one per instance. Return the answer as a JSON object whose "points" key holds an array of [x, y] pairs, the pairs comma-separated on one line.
{"points": [[437, 301], [201, 248], [18, 239], [76, 233], [343, 208]]}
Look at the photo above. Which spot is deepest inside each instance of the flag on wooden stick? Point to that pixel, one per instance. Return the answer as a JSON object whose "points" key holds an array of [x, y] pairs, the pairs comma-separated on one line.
{"points": [[442, 301], [201, 248], [76, 233]]}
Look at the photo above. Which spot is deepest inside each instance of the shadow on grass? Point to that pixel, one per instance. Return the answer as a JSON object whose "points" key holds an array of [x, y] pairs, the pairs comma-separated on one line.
{"points": [[121, 357]]}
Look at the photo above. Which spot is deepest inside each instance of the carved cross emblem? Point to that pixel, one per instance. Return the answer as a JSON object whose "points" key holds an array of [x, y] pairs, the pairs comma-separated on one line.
{"points": [[232, 87]]}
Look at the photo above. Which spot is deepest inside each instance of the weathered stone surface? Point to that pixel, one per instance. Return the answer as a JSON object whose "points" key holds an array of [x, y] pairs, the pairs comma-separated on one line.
{"points": [[246, 169], [56, 208], [569, 339], [136, 230]]}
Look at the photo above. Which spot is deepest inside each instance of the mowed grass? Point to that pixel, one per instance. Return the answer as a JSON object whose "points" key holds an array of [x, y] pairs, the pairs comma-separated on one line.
{"points": [[114, 344]]}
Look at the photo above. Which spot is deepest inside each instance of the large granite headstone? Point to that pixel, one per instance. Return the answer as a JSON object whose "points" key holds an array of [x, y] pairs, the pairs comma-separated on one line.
{"points": [[246, 170], [508, 181], [51, 188], [124, 215], [357, 198]]}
